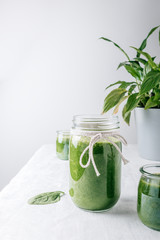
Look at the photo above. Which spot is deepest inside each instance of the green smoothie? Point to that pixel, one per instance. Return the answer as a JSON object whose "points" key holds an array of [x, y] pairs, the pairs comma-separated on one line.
{"points": [[148, 204], [62, 146], [86, 189]]}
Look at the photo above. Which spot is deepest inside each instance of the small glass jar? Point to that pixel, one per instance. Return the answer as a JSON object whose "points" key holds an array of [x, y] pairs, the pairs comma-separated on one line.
{"points": [[62, 144], [89, 190], [148, 202]]}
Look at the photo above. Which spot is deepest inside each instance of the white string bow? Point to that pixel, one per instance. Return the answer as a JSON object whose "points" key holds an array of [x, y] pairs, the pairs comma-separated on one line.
{"points": [[95, 139]]}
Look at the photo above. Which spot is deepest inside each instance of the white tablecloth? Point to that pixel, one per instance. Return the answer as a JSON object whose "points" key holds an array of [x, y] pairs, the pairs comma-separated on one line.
{"points": [[62, 220]]}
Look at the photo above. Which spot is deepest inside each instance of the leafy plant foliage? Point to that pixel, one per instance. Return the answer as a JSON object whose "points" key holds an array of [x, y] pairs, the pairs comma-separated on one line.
{"points": [[144, 90]]}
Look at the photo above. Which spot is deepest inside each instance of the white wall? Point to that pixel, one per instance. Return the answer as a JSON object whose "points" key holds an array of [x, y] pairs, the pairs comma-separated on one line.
{"points": [[53, 66]]}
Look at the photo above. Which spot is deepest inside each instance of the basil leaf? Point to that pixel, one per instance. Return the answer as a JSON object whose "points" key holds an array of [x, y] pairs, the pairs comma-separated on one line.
{"points": [[46, 198], [113, 99], [150, 81], [108, 40]]}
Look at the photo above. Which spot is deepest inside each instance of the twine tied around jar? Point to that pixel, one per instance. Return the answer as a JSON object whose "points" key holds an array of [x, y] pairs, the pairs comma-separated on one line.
{"points": [[95, 138]]}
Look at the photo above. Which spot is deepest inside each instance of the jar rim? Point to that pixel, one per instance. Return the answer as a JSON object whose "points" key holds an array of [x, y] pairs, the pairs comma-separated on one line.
{"points": [[94, 117], [95, 122], [64, 132], [145, 170]]}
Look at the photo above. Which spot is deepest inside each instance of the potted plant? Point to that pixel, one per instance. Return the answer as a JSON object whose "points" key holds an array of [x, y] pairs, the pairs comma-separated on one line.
{"points": [[141, 94]]}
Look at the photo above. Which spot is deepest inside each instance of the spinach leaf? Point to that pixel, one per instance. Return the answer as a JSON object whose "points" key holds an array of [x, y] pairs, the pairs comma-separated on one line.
{"points": [[46, 198]]}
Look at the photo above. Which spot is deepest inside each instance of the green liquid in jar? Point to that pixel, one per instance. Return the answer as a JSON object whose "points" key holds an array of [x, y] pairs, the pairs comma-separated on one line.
{"points": [[148, 204], [62, 147], [86, 189]]}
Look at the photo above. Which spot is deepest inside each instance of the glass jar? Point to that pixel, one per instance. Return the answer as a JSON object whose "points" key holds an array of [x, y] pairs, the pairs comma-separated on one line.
{"points": [[148, 202], [62, 144], [95, 163]]}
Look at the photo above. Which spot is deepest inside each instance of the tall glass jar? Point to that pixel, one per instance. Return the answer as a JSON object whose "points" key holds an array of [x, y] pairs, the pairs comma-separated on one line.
{"points": [[148, 203], [95, 162]]}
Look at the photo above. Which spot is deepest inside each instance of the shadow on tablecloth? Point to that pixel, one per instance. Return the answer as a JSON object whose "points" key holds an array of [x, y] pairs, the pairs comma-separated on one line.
{"points": [[125, 206]]}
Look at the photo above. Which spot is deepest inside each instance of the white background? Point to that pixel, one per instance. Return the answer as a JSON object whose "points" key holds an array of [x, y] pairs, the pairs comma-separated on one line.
{"points": [[53, 66]]}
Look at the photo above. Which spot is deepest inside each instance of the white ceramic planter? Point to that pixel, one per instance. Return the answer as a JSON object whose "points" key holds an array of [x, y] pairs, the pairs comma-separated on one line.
{"points": [[148, 133]]}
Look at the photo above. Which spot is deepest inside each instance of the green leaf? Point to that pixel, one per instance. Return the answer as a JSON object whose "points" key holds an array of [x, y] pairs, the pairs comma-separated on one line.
{"points": [[113, 98], [144, 43], [117, 106], [123, 84], [151, 103], [150, 81], [147, 68], [46, 198], [154, 100], [132, 87], [126, 84], [143, 100], [149, 58], [113, 84], [132, 103], [151, 31], [157, 93], [141, 60], [122, 64], [134, 64], [126, 116], [132, 71], [108, 40]]}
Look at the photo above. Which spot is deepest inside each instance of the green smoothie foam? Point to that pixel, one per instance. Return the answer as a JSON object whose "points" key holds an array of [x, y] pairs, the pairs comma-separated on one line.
{"points": [[86, 189]]}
